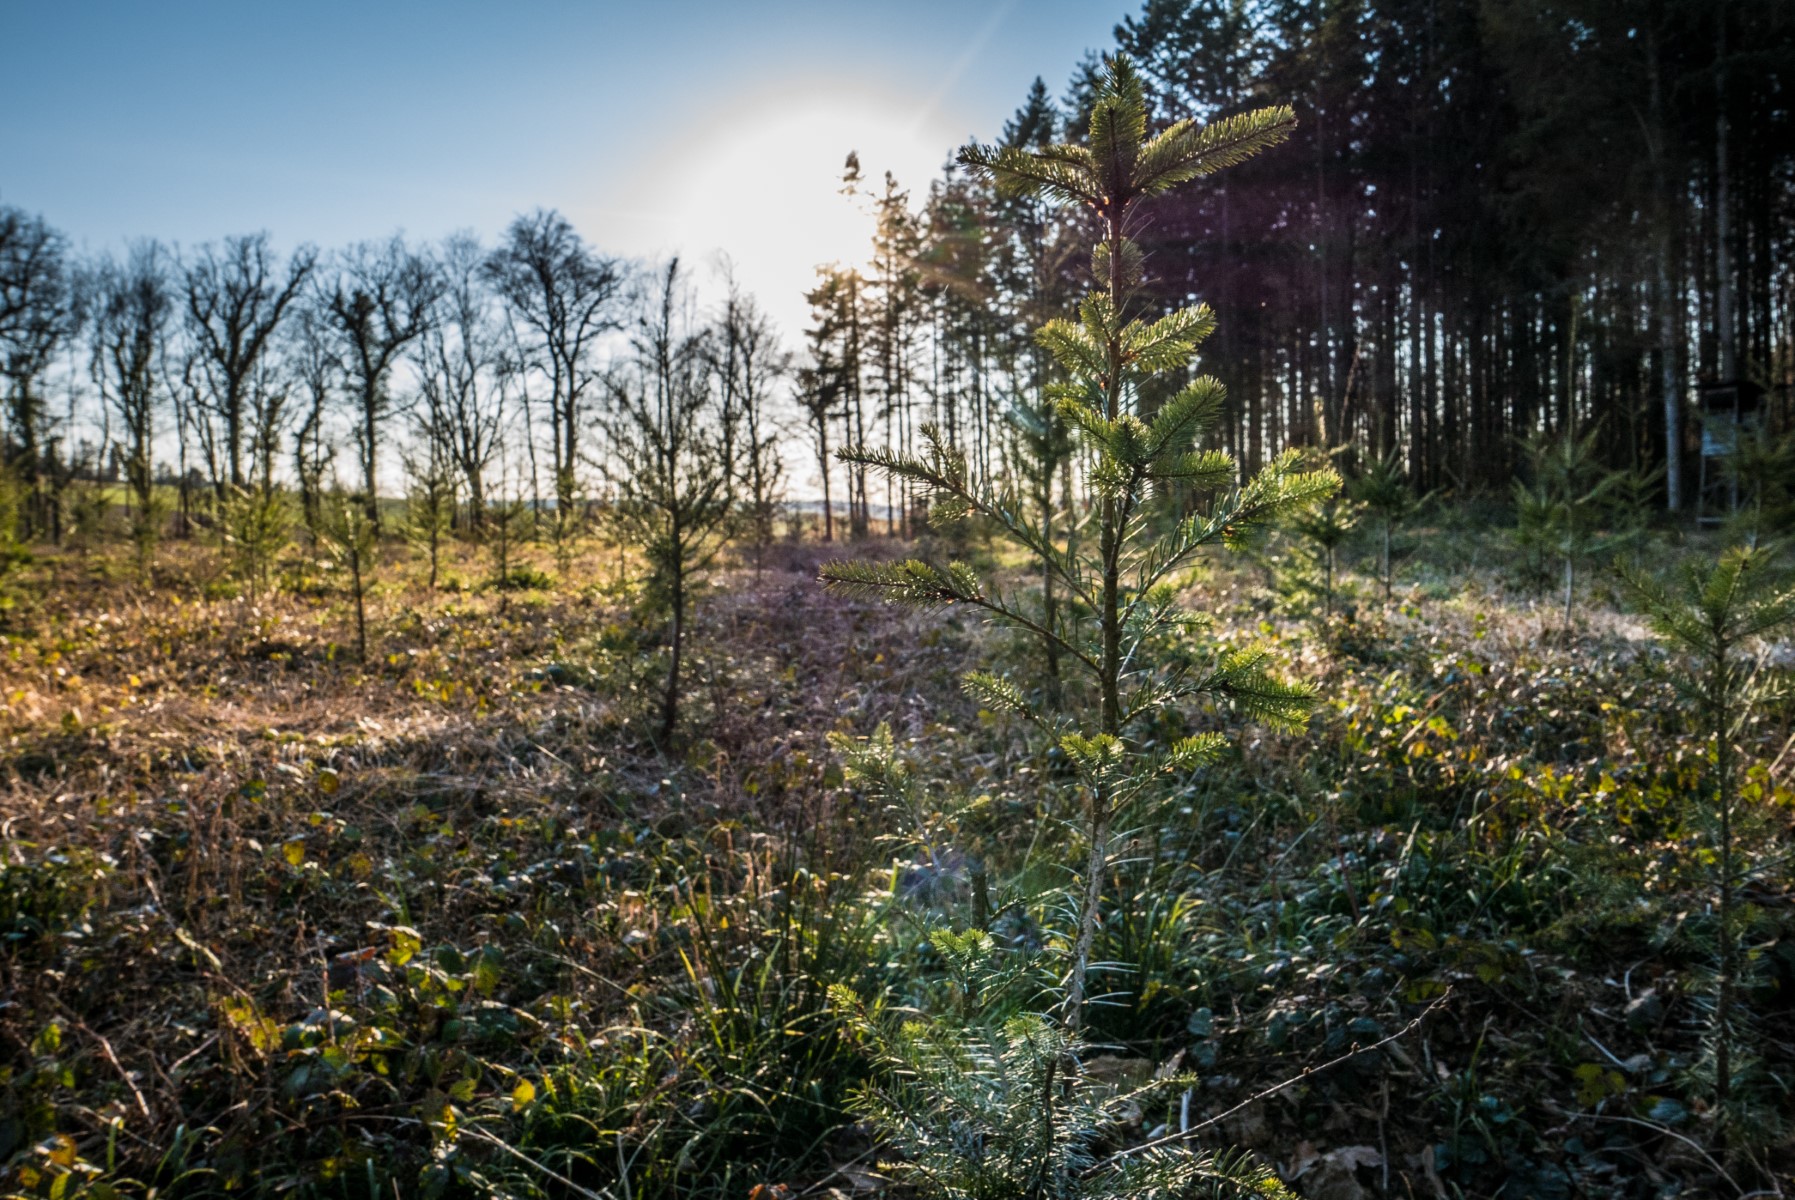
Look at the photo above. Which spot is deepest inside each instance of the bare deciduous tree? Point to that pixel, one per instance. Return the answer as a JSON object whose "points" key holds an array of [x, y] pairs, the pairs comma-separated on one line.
{"points": [[750, 364], [314, 368], [461, 373], [133, 304], [235, 297], [379, 302], [39, 313], [564, 295]]}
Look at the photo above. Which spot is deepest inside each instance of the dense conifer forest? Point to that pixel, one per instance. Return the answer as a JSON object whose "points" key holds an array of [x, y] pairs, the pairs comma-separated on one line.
{"points": [[1242, 650]]}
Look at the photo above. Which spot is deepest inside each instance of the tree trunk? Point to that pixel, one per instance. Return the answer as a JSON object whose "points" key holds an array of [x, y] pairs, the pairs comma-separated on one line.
{"points": [[670, 702], [1110, 662], [1723, 1001], [822, 459], [1570, 578], [361, 614], [369, 468], [1387, 524]]}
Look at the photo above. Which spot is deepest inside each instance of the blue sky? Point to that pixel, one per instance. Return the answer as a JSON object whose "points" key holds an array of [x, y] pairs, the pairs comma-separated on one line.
{"points": [[685, 126]]}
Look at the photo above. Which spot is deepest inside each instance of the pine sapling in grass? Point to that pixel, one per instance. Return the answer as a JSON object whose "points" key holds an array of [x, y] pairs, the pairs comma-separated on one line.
{"points": [[148, 516], [672, 467], [430, 508], [1716, 617], [1565, 511], [1761, 472], [1005, 1110], [255, 522], [352, 540], [1122, 586], [508, 523], [12, 518], [1386, 494], [89, 505], [1326, 526]]}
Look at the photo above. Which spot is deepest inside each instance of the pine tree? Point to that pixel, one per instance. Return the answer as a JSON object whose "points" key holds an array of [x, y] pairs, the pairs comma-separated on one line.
{"points": [[254, 522], [895, 298], [1385, 492], [1714, 616], [1124, 587], [831, 383], [507, 525], [1326, 527], [430, 505], [352, 539], [1561, 511], [672, 470]]}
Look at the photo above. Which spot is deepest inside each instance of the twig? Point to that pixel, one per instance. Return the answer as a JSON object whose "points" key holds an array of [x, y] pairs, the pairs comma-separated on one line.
{"points": [[136, 1093], [1669, 1132], [481, 1134], [106, 1050], [1591, 1039], [182, 1061], [1182, 1134]]}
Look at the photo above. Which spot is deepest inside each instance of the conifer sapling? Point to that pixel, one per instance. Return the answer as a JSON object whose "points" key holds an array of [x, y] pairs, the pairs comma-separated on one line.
{"points": [[1124, 588], [1714, 617]]}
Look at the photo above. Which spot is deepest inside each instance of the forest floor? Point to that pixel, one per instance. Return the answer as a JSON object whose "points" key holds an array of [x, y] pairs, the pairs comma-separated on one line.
{"points": [[449, 922]]}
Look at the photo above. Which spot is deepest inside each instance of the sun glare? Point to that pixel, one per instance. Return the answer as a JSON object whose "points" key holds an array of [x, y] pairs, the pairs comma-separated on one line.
{"points": [[763, 184]]}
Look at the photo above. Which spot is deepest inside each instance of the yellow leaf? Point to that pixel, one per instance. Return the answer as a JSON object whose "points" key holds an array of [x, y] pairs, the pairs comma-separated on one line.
{"points": [[1596, 1083], [522, 1094], [294, 852], [328, 781], [406, 944]]}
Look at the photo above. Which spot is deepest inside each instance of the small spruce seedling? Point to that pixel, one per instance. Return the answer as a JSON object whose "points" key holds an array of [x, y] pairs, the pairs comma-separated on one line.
{"points": [[352, 540], [1009, 1111], [1715, 616], [1386, 493], [1326, 526], [1121, 587]]}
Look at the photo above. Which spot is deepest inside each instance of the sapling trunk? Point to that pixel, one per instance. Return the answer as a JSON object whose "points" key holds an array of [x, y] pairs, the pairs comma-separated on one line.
{"points": [[1110, 661], [1570, 579], [670, 701], [1723, 770], [361, 612], [1386, 560]]}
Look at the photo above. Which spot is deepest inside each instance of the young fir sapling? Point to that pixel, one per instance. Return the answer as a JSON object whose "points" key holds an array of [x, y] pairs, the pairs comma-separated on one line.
{"points": [[1118, 632], [1714, 617], [430, 508], [1574, 508], [1385, 492], [1326, 526], [352, 540], [254, 523], [672, 464]]}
